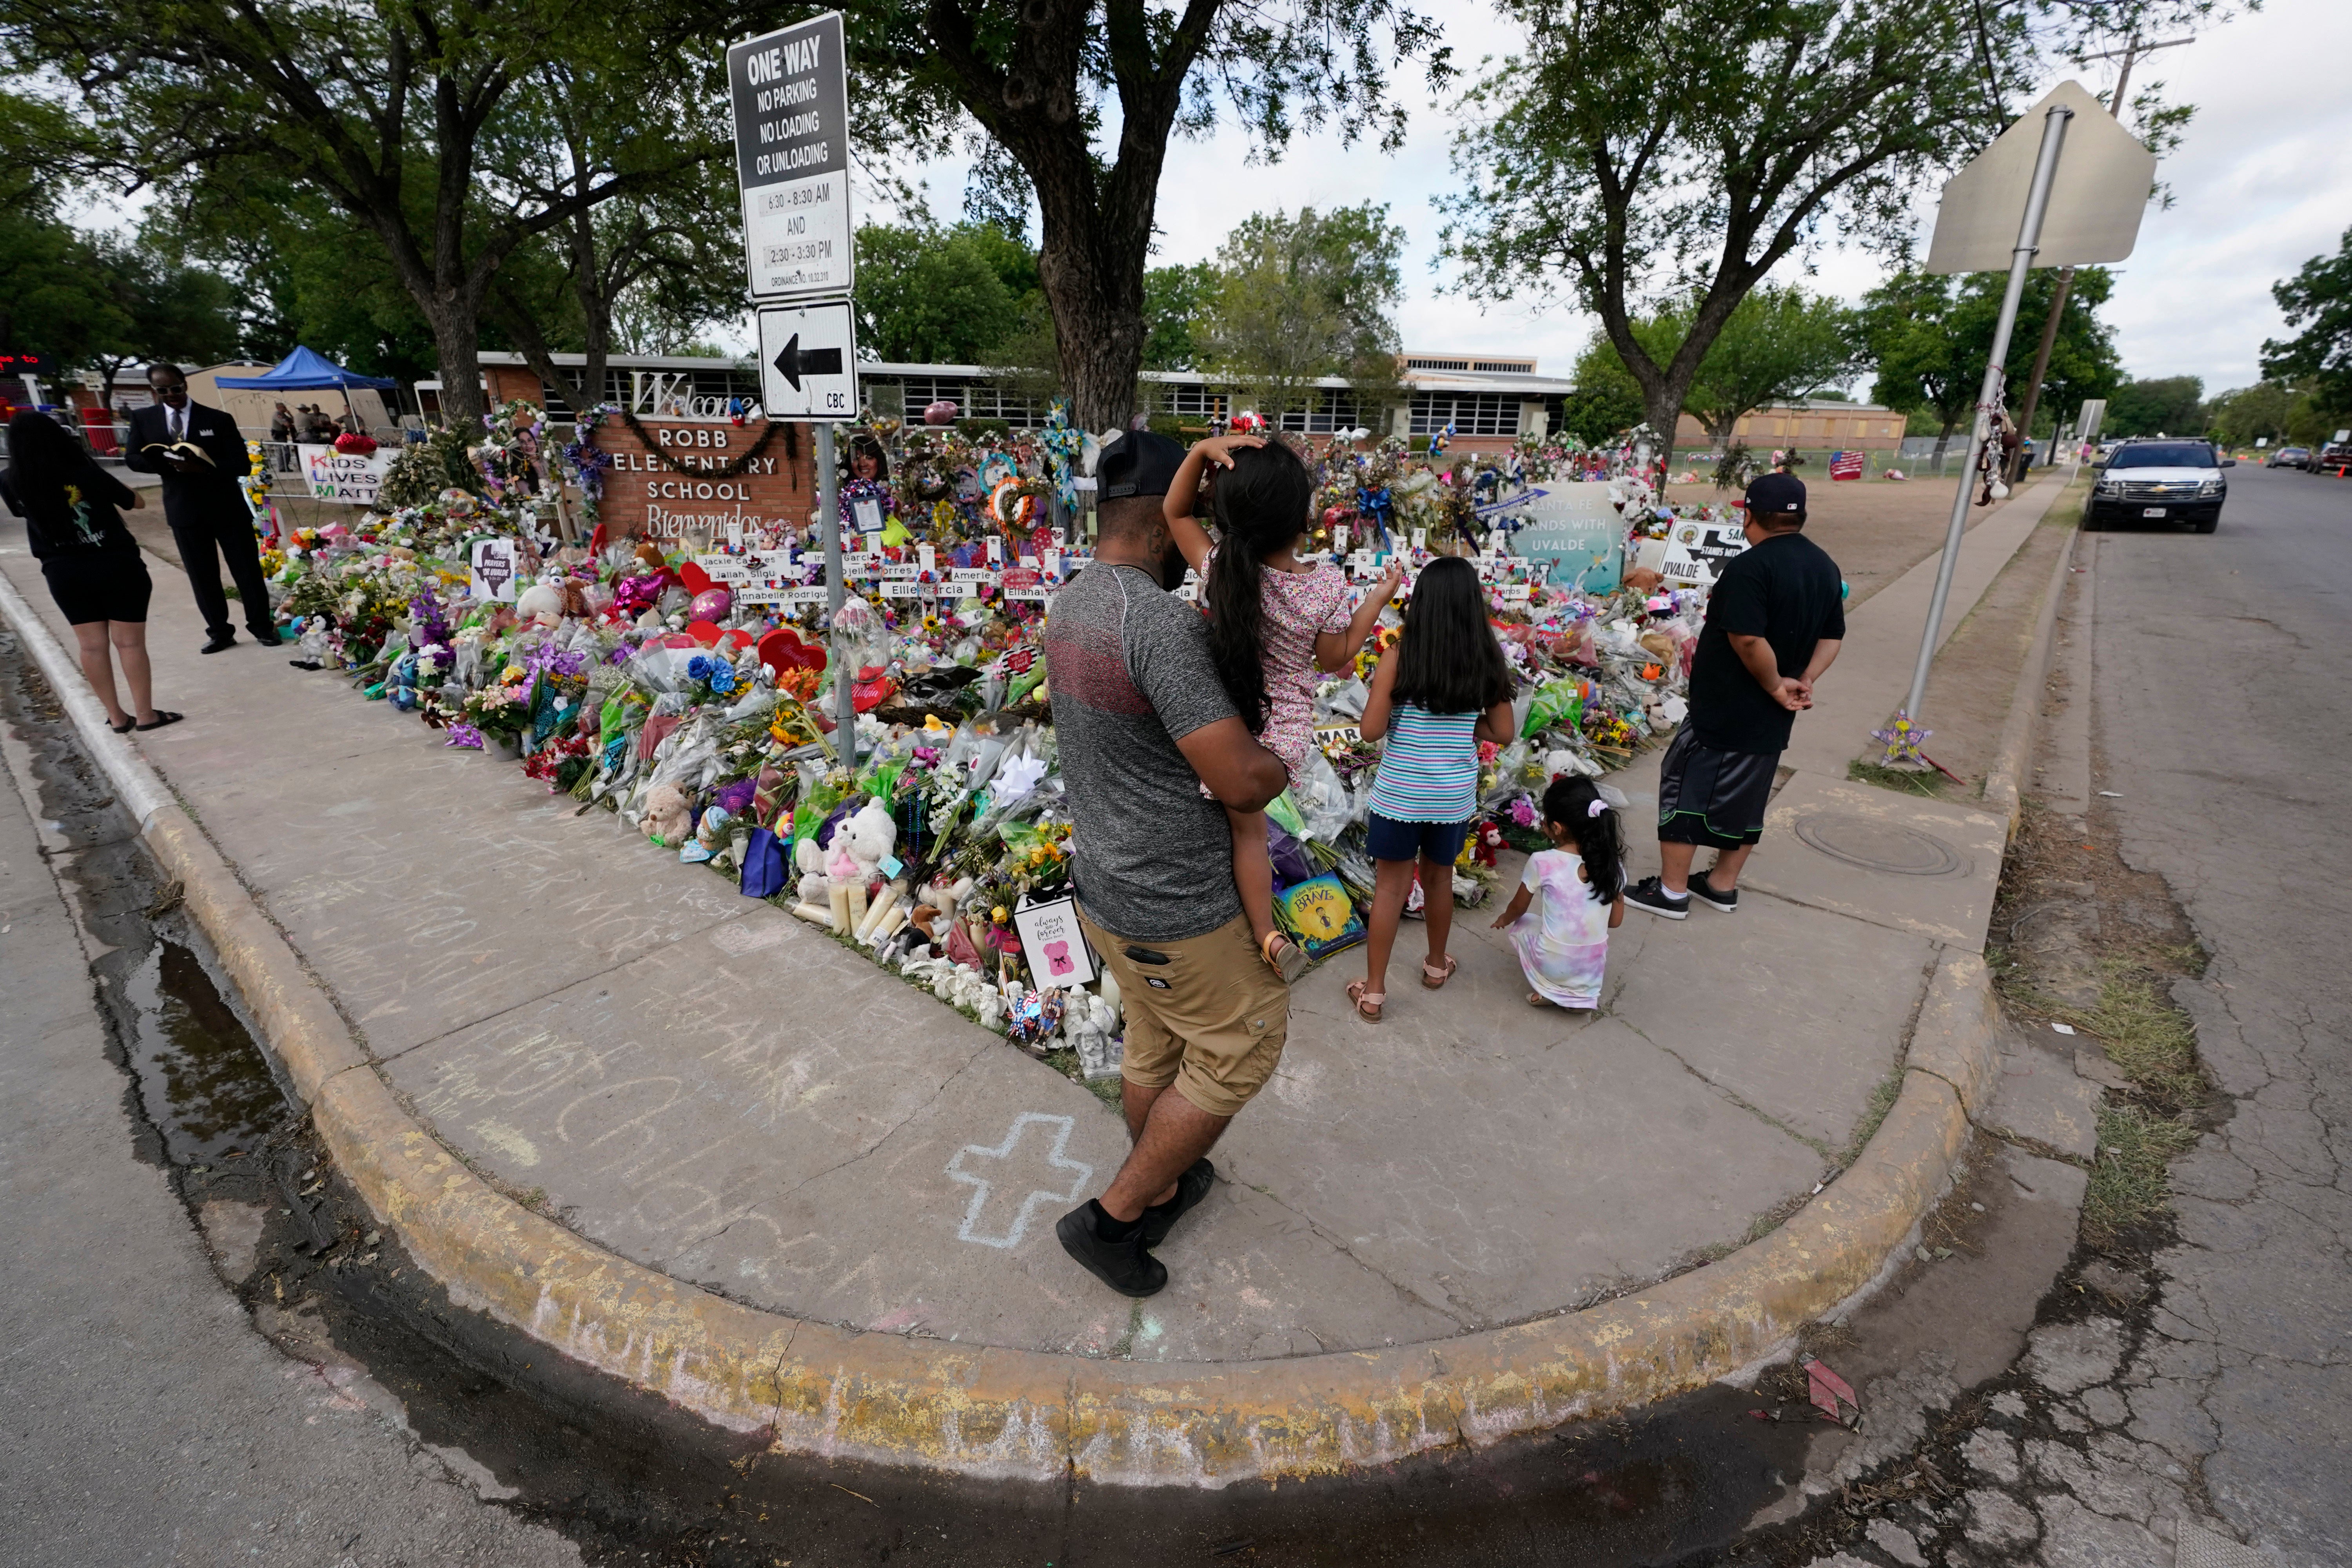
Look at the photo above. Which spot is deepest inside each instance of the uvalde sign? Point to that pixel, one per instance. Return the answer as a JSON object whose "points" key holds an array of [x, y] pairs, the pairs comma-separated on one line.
{"points": [[1575, 529]]}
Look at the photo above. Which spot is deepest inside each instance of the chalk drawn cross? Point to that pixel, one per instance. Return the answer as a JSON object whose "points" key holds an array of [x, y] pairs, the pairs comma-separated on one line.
{"points": [[1018, 1172]]}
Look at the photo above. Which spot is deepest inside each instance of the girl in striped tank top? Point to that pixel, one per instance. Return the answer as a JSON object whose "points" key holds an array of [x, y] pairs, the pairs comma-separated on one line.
{"points": [[1442, 688]]}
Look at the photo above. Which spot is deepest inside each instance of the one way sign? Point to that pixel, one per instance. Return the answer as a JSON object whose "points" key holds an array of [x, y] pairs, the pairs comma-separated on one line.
{"points": [[808, 361]]}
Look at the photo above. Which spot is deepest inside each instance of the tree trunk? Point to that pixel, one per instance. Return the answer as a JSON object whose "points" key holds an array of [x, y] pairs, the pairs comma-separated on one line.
{"points": [[1663, 412], [1943, 440], [456, 324], [1092, 277]]}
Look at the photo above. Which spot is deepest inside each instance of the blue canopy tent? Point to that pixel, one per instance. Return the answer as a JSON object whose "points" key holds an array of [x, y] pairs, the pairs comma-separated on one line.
{"points": [[307, 370]]}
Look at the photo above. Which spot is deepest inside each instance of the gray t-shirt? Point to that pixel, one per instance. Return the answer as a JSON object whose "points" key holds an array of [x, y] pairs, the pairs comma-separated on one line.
{"points": [[1129, 669]]}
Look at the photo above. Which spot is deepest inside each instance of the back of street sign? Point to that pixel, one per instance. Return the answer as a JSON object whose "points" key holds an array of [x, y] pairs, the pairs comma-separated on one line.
{"points": [[808, 361], [791, 93], [2095, 200]]}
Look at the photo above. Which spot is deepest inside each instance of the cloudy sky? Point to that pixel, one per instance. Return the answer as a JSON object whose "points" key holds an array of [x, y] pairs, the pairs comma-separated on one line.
{"points": [[2261, 182]]}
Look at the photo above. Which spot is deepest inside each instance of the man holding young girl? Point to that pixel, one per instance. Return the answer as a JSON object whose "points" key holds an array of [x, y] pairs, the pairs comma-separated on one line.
{"points": [[1144, 722]]}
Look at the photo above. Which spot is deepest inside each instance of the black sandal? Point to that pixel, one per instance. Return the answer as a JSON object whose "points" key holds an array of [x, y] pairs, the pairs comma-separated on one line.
{"points": [[124, 728], [163, 717]]}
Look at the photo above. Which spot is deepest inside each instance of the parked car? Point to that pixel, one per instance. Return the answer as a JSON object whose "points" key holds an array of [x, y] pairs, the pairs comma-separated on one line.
{"points": [[2161, 481], [2289, 458], [2336, 455]]}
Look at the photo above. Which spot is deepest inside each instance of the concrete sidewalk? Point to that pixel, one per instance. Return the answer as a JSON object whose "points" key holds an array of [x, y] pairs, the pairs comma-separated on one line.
{"points": [[700, 1084]]}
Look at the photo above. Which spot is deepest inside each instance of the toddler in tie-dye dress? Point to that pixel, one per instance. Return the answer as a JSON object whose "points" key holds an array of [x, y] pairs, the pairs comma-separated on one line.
{"points": [[1576, 889]]}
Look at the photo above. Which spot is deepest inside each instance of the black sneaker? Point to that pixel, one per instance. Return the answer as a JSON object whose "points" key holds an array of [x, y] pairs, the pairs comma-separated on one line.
{"points": [[1127, 1267], [1704, 891], [1648, 894], [1190, 1188]]}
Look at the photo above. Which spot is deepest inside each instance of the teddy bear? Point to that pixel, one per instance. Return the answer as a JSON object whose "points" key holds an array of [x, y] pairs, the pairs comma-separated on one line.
{"points": [[809, 861], [666, 820], [542, 602], [866, 837]]}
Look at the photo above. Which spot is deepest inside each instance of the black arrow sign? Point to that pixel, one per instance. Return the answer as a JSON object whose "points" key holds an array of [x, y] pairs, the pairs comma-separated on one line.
{"points": [[794, 362]]}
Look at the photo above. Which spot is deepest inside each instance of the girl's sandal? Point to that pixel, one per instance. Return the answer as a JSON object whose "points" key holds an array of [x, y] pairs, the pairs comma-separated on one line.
{"points": [[1432, 976], [1283, 956], [124, 728], [1537, 999], [1367, 1003]]}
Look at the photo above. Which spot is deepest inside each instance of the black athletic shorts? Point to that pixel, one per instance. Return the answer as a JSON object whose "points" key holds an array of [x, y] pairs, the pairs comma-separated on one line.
{"points": [[99, 585], [1706, 797]]}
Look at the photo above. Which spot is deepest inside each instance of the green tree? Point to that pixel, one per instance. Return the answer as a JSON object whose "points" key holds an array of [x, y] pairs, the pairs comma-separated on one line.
{"points": [[1175, 299], [1084, 95], [929, 295], [662, 257], [1649, 148], [304, 271], [1779, 344], [2318, 300], [2264, 411], [1928, 337], [169, 310], [1607, 401], [2167, 405], [1298, 300], [403, 113]]}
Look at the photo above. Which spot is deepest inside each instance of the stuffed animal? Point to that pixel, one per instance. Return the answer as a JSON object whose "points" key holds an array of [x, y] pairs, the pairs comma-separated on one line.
{"points": [[667, 819], [809, 861], [541, 602], [866, 837], [709, 836]]}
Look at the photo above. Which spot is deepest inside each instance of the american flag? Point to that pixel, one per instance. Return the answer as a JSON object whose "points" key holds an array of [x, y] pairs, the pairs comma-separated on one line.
{"points": [[1845, 465]]}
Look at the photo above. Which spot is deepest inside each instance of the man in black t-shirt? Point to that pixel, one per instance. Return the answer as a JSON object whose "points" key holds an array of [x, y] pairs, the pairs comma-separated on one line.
{"points": [[1774, 623]]}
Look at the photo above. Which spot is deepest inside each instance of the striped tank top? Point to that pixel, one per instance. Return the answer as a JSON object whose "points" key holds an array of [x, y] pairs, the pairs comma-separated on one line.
{"points": [[1429, 772]]}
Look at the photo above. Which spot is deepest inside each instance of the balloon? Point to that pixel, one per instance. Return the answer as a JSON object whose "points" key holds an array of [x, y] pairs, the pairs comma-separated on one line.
{"points": [[711, 605]]}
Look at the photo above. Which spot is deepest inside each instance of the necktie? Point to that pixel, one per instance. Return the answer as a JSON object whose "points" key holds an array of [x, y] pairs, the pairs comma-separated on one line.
{"points": [[179, 425]]}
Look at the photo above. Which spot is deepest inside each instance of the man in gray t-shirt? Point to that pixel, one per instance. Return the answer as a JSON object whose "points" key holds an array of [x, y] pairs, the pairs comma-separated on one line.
{"points": [[1141, 721]]}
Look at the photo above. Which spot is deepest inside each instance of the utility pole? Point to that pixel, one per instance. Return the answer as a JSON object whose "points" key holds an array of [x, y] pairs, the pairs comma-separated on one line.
{"points": [[2127, 54]]}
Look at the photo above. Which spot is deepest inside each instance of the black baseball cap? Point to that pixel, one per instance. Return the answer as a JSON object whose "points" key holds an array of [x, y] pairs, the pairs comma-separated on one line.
{"points": [[1137, 463], [1774, 494]]}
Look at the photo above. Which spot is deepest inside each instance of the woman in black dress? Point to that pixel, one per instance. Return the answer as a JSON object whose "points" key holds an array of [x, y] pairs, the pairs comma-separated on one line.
{"points": [[69, 504]]}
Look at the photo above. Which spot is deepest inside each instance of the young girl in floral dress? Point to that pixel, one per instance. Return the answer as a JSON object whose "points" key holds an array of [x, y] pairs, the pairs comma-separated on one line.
{"points": [[1273, 623], [1578, 887]]}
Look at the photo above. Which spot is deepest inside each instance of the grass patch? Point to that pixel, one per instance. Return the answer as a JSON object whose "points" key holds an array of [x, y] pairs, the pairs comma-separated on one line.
{"points": [[1929, 784], [1881, 1100], [2130, 1180], [2149, 1039]]}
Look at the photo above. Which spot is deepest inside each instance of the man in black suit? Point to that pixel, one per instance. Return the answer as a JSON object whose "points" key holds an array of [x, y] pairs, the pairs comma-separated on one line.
{"points": [[204, 503]]}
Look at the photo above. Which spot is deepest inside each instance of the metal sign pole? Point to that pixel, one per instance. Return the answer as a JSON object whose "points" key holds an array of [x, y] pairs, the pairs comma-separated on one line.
{"points": [[2028, 241], [829, 485]]}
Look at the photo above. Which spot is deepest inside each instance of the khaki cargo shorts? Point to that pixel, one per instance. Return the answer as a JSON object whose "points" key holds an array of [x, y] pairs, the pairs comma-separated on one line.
{"points": [[1211, 1020]]}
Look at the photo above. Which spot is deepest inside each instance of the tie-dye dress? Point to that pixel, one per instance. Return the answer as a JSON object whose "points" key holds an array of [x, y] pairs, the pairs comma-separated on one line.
{"points": [[1563, 939]]}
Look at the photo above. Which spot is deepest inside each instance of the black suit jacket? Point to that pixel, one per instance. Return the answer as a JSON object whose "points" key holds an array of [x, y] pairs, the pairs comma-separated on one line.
{"points": [[206, 497]]}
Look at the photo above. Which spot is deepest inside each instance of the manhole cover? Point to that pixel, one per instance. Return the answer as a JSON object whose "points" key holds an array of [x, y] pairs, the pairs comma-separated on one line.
{"points": [[1880, 845]]}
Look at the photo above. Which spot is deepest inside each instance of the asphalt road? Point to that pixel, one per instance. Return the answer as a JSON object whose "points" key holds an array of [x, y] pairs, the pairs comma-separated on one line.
{"points": [[143, 1418], [2220, 714]]}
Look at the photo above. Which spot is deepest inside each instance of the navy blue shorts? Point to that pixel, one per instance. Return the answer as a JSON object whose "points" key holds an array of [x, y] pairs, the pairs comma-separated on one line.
{"points": [[1386, 838]]}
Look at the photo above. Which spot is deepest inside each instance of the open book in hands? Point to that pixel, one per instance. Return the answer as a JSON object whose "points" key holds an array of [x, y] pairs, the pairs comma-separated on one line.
{"points": [[183, 450]]}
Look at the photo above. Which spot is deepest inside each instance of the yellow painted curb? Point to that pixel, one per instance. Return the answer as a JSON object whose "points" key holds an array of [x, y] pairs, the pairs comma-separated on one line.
{"points": [[987, 1411]]}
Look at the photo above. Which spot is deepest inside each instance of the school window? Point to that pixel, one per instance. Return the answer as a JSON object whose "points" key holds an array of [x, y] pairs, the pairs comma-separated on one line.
{"points": [[1333, 408], [973, 399], [1467, 413], [1189, 400]]}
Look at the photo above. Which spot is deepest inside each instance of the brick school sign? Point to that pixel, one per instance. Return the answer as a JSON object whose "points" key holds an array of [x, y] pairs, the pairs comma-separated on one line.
{"points": [[647, 497]]}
